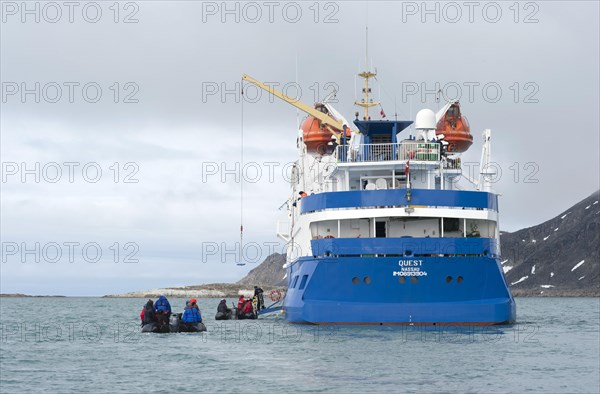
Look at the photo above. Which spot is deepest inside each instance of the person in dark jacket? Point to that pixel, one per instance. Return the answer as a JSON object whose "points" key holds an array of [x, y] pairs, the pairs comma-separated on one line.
{"points": [[148, 315], [258, 293], [223, 307]]}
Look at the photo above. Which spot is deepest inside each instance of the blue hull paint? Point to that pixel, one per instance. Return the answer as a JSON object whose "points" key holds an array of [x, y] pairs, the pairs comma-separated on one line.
{"points": [[331, 297], [404, 246], [397, 198]]}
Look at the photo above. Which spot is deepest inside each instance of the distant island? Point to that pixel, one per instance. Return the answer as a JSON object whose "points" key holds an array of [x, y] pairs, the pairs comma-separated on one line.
{"points": [[19, 295], [269, 275], [211, 290]]}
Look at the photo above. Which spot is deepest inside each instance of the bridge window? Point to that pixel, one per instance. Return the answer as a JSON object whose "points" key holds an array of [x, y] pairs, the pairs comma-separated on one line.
{"points": [[451, 224], [380, 229], [303, 282], [295, 281]]}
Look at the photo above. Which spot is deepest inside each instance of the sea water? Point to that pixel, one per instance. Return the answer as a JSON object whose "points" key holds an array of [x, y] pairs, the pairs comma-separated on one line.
{"points": [[74, 345]]}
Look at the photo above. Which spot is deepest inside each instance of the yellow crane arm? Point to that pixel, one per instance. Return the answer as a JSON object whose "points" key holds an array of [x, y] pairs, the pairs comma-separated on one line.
{"points": [[325, 119]]}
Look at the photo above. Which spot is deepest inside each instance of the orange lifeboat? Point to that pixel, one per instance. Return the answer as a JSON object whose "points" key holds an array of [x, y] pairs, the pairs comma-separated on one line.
{"points": [[316, 137], [456, 130]]}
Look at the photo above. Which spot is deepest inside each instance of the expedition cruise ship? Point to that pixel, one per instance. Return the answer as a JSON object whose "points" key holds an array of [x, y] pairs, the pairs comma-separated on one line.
{"points": [[380, 231]]}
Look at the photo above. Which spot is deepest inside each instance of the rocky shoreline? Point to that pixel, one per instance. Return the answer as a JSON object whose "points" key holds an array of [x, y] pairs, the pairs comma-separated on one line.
{"points": [[553, 292], [227, 290], [213, 290]]}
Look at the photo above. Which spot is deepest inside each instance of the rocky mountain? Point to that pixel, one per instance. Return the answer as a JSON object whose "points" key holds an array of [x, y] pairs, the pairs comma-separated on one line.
{"points": [[560, 257], [269, 273]]}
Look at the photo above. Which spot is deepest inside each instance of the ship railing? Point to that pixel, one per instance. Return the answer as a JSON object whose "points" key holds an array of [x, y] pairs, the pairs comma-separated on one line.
{"points": [[452, 164], [413, 151]]}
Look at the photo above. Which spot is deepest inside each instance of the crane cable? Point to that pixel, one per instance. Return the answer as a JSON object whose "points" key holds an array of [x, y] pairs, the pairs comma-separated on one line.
{"points": [[241, 173]]}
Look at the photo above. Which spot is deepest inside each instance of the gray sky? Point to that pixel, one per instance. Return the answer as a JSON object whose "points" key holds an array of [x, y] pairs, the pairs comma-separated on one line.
{"points": [[544, 123]]}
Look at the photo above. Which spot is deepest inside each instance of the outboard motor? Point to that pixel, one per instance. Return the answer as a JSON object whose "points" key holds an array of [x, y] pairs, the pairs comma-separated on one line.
{"points": [[174, 322]]}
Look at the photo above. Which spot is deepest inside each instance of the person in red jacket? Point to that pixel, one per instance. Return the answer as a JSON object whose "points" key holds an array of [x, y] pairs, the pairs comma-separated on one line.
{"points": [[248, 309], [240, 304]]}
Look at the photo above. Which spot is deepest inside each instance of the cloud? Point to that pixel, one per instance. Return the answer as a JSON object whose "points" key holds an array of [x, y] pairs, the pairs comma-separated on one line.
{"points": [[159, 121]]}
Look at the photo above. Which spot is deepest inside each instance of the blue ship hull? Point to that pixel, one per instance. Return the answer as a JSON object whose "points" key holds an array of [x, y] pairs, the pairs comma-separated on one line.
{"points": [[468, 290]]}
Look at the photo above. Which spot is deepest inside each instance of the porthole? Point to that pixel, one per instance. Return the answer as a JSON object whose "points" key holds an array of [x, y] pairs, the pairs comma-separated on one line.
{"points": [[367, 280], [402, 279], [459, 279], [448, 279], [355, 280], [414, 279]]}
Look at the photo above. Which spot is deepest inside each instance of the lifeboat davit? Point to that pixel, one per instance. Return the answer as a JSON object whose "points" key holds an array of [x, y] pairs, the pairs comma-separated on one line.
{"points": [[456, 130]]}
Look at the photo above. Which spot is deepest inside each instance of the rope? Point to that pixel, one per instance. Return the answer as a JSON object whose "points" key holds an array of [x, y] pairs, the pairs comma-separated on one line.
{"points": [[242, 173]]}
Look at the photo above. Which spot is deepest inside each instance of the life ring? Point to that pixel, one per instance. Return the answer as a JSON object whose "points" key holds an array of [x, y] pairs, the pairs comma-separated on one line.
{"points": [[275, 295]]}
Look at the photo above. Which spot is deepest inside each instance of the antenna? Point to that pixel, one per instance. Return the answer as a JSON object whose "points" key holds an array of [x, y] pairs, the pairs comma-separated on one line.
{"points": [[366, 103]]}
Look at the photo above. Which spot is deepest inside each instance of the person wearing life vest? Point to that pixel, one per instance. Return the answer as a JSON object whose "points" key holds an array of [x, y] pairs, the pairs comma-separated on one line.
{"points": [[258, 293], [191, 314], [195, 304], [148, 315]]}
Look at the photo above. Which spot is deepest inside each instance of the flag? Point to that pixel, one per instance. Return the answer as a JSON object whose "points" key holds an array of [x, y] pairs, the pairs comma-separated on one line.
{"points": [[382, 113]]}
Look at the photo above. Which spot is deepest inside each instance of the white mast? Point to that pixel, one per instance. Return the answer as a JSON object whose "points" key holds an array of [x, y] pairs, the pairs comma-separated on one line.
{"points": [[486, 171]]}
